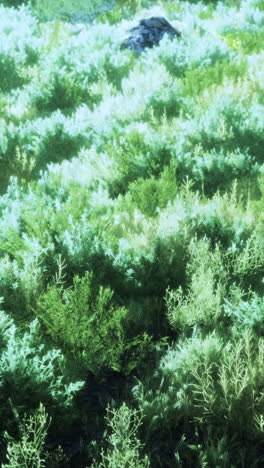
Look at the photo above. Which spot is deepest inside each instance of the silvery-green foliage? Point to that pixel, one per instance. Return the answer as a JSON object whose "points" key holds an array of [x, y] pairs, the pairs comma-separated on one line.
{"points": [[30, 372], [247, 18], [153, 255], [43, 139], [139, 151], [59, 89], [207, 380], [247, 314], [220, 219], [18, 30], [229, 124], [166, 397], [29, 450], [90, 170], [182, 54], [9, 77], [97, 54], [247, 261], [214, 170], [124, 447], [81, 245], [155, 88], [207, 277], [10, 208], [22, 277]]}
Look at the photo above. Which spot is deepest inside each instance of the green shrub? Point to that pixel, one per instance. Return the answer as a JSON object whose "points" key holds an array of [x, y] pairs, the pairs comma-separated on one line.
{"points": [[14, 3], [182, 54], [208, 382], [196, 80], [152, 194], [247, 262], [208, 12], [139, 152], [30, 373], [227, 123], [63, 90], [124, 447], [84, 322], [169, 99], [39, 142], [18, 35], [207, 284], [212, 171], [246, 41], [29, 450], [9, 74], [247, 314]]}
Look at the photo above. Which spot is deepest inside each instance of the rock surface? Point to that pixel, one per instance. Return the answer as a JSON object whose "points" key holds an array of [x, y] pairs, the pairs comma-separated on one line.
{"points": [[148, 33]]}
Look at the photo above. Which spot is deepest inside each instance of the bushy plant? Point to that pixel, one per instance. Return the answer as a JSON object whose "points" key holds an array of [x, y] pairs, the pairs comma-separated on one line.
{"points": [[207, 278], [124, 447], [246, 314], [181, 55], [228, 124], [150, 195], [9, 77], [84, 322], [21, 278], [42, 141], [30, 373], [212, 171], [207, 381], [247, 262], [18, 30], [61, 90], [29, 451], [139, 152], [198, 79]]}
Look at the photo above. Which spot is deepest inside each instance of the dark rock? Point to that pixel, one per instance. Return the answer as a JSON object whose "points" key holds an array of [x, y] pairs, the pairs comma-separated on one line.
{"points": [[148, 33]]}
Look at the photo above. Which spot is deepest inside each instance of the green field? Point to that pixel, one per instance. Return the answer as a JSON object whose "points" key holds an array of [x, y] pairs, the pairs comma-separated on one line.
{"points": [[131, 236]]}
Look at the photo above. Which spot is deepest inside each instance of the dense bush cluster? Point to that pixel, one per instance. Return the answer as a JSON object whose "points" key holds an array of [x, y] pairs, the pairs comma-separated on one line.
{"points": [[131, 236]]}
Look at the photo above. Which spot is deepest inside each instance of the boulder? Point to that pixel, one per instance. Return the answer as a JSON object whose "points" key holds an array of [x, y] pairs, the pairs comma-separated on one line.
{"points": [[148, 33]]}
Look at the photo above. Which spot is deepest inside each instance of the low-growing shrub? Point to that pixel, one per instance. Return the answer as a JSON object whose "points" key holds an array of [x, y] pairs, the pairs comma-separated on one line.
{"points": [[84, 322], [198, 79], [29, 450], [207, 279], [124, 448], [247, 314], [152, 194], [139, 152], [215, 171], [31, 373], [9, 74], [63, 90], [204, 382]]}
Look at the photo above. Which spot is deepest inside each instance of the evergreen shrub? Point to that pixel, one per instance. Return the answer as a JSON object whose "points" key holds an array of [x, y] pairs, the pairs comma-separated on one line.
{"points": [[207, 279], [124, 448], [83, 322], [31, 373], [29, 450], [9, 73], [207, 381]]}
